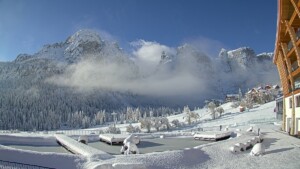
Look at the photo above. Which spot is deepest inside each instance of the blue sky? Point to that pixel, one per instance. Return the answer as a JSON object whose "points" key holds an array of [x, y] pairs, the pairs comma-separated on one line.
{"points": [[25, 26]]}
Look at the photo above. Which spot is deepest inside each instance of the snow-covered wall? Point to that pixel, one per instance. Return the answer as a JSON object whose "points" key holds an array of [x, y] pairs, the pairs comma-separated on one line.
{"points": [[34, 140], [51, 160]]}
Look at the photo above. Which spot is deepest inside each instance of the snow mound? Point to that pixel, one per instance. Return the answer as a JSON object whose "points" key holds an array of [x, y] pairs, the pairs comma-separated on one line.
{"points": [[258, 150], [83, 139], [128, 166]]}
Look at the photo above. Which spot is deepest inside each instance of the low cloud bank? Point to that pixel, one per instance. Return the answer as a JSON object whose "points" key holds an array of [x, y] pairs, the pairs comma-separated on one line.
{"points": [[142, 73]]}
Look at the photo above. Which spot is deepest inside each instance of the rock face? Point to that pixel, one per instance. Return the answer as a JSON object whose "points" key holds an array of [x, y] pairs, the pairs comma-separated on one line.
{"points": [[83, 42], [243, 58]]}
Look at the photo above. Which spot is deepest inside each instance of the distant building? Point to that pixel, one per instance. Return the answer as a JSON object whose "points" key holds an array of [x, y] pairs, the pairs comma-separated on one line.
{"points": [[287, 60], [268, 87], [263, 93], [231, 97], [277, 87]]}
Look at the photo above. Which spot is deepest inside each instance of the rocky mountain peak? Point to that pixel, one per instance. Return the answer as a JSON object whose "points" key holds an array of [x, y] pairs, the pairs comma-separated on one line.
{"points": [[243, 57], [22, 57], [84, 36], [83, 42], [265, 56], [165, 58]]}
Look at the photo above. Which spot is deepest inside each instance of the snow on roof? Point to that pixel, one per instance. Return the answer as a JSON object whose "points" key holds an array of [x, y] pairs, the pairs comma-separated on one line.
{"points": [[80, 148]]}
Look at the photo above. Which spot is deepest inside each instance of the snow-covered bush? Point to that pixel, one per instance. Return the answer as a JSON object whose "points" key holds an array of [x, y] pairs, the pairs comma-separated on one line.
{"points": [[101, 132], [156, 123], [176, 123], [113, 129], [249, 102], [235, 149], [255, 140], [146, 123], [258, 150], [241, 146], [238, 147], [220, 110], [252, 141], [212, 109], [165, 123], [260, 138], [187, 112], [132, 129]]}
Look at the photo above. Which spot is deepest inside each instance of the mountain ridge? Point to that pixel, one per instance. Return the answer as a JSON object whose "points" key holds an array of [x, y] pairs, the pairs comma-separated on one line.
{"points": [[85, 73]]}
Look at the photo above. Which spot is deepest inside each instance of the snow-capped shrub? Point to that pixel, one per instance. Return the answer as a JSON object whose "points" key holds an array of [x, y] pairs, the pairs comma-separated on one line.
{"points": [[156, 123], [252, 141], [165, 123], [176, 123], [235, 149], [190, 116], [113, 129], [131, 129], [258, 149], [255, 139], [212, 109], [241, 146], [101, 132], [259, 138], [247, 145], [146, 123], [220, 110]]}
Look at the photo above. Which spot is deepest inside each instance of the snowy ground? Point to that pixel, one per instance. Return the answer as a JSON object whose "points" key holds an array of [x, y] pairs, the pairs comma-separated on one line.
{"points": [[282, 151], [148, 145]]}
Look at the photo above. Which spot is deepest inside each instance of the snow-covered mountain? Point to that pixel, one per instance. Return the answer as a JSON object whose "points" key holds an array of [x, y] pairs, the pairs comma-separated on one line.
{"points": [[231, 70], [186, 60], [243, 68], [85, 73], [243, 58]]}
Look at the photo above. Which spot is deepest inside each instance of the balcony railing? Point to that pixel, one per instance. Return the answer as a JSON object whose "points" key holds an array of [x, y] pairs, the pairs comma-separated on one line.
{"points": [[297, 83], [290, 45], [295, 66], [298, 34]]}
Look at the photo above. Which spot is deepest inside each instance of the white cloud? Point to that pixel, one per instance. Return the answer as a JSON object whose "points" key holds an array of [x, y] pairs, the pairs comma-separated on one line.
{"points": [[209, 46], [148, 54], [191, 76]]}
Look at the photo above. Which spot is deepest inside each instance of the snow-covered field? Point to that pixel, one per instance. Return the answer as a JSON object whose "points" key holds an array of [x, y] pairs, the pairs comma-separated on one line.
{"points": [[282, 151]]}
